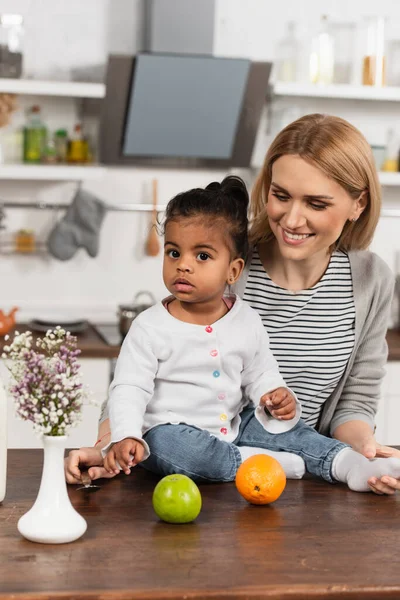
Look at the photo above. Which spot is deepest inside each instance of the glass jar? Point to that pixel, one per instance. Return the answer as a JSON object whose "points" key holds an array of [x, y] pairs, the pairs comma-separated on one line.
{"points": [[393, 63], [287, 55], [11, 34], [321, 62], [374, 60], [344, 50]]}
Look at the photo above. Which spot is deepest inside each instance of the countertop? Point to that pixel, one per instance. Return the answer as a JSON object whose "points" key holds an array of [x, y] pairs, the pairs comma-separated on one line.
{"points": [[318, 541], [93, 345], [90, 342]]}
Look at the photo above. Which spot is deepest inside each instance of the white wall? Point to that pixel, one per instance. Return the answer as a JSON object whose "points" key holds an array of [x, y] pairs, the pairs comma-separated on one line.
{"points": [[66, 35]]}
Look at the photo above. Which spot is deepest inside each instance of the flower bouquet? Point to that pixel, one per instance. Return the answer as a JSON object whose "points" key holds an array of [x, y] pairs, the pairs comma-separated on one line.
{"points": [[47, 390], [46, 382]]}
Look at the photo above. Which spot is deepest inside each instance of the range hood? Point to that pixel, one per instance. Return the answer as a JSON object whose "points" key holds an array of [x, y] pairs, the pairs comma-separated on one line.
{"points": [[177, 105], [181, 110]]}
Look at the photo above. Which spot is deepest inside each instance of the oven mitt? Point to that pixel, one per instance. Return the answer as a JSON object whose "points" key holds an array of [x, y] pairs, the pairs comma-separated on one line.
{"points": [[79, 228]]}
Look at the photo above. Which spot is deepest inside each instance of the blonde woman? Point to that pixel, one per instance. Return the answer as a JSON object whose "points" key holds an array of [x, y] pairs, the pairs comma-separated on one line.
{"points": [[323, 298]]}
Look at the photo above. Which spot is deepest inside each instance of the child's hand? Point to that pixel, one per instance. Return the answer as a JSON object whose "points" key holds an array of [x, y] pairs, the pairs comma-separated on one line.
{"points": [[280, 403], [123, 455]]}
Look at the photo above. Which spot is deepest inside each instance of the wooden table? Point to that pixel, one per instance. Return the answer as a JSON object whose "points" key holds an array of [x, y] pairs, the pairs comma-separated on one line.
{"points": [[317, 541]]}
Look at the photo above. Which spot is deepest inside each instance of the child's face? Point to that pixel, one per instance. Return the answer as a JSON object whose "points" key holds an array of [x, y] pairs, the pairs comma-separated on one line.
{"points": [[197, 261]]}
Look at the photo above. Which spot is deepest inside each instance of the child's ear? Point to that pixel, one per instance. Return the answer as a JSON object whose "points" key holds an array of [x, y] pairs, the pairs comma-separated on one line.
{"points": [[235, 270]]}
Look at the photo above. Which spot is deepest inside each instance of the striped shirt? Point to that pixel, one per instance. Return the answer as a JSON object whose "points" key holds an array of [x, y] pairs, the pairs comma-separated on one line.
{"points": [[311, 331]]}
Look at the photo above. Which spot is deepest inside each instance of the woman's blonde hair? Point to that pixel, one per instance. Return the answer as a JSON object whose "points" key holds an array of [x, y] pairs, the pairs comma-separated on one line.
{"points": [[343, 154]]}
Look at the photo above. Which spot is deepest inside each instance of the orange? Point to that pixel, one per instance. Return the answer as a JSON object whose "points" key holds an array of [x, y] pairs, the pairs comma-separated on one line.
{"points": [[260, 479]]}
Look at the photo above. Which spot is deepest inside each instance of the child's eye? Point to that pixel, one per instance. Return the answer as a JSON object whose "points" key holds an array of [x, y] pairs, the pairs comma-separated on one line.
{"points": [[173, 253], [203, 256]]}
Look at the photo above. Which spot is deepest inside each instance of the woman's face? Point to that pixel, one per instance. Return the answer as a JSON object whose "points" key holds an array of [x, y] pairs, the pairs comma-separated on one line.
{"points": [[306, 210]]}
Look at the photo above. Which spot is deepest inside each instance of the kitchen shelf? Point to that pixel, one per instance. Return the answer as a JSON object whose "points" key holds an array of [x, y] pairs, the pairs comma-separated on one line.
{"points": [[73, 89], [51, 172], [340, 91]]}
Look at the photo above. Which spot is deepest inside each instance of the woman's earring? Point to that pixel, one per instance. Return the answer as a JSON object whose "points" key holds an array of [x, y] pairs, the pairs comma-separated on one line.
{"points": [[354, 219]]}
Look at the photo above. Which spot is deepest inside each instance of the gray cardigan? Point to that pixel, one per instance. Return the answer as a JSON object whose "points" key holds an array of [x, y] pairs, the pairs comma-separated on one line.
{"points": [[356, 396]]}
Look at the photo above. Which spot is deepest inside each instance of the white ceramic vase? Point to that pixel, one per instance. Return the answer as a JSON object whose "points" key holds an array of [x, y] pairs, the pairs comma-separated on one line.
{"points": [[52, 519]]}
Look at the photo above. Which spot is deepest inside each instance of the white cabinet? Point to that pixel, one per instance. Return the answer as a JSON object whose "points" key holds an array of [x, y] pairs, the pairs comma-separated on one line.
{"points": [[388, 417], [95, 375]]}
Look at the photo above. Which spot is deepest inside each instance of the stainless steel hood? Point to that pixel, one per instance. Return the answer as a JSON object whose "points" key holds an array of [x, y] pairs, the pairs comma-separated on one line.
{"points": [[176, 104], [181, 110]]}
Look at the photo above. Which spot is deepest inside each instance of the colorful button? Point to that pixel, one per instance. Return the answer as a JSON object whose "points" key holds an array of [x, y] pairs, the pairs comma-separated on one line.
{"points": [[224, 430], [214, 353], [223, 417], [209, 329], [221, 396], [216, 374]]}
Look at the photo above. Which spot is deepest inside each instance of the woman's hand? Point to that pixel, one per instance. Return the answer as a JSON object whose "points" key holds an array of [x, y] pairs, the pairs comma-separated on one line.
{"points": [[385, 485], [361, 438], [85, 457]]}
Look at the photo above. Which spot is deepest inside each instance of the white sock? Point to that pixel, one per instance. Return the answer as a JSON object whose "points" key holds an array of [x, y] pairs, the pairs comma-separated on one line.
{"points": [[353, 468], [292, 464]]}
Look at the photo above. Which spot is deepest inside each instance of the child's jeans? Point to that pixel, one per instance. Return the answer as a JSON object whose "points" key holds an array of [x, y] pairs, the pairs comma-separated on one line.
{"points": [[203, 457]]}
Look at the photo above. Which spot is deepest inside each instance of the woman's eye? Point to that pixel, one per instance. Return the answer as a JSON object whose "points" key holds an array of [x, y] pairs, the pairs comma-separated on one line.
{"points": [[173, 253], [280, 196], [317, 206], [203, 256]]}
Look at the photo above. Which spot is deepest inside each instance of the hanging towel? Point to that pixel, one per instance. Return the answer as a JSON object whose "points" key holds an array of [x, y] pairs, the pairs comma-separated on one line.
{"points": [[79, 228]]}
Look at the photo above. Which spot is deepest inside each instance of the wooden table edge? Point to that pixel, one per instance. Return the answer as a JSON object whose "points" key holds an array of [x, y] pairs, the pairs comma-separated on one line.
{"points": [[298, 592]]}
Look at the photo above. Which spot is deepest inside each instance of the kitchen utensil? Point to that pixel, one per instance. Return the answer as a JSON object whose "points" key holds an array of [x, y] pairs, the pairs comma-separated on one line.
{"points": [[152, 242], [72, 326], [87, 486], [128, 312], [7, 322]]}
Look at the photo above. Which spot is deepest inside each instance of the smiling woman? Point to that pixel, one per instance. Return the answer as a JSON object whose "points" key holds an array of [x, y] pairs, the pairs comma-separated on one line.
{"points": [[323, 298]]}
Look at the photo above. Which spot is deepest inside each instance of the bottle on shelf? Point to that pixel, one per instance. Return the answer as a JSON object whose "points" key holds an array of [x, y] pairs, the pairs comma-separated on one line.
{"points": [[50, 153], [35, 136], [287, 54], [321, 65], [61, 143], [391, 162], [77, 146]]}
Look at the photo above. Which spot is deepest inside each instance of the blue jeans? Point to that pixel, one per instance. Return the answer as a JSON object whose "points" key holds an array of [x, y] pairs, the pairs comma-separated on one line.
{"points": [[203, 457]]}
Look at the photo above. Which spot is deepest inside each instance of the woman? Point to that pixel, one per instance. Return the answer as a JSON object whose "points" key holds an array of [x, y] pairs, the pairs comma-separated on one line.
{"points": [[323, 298]]}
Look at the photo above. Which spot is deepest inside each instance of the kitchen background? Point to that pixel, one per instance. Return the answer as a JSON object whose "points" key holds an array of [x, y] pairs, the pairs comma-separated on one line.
{"points": [[67, 40]]}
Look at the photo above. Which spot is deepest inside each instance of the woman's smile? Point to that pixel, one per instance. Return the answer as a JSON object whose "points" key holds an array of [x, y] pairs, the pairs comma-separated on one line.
{"points": [[295, 239]]}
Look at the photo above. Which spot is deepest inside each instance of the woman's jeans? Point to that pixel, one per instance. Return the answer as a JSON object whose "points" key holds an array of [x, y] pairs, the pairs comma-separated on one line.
{"points": [[203, 457]]}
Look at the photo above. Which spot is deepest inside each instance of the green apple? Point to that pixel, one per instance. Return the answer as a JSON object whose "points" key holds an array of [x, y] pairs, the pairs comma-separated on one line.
{"points": [[177, 499]]}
